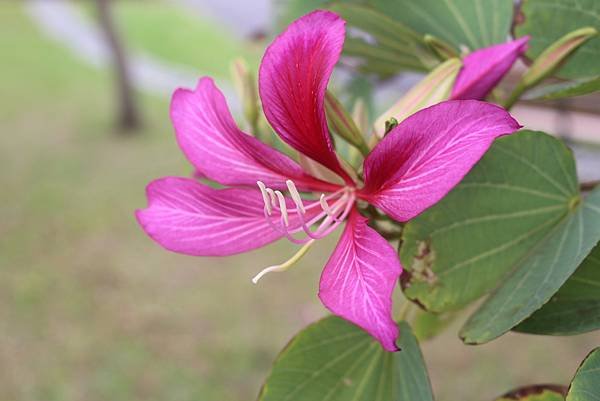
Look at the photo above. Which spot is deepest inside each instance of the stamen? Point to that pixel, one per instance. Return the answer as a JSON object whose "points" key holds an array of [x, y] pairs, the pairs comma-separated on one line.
{"points": [[325, 205], [324, 231], [263, 191], [330, 217], [272, 195], [283, 208], [295, 195], [285, 265]]}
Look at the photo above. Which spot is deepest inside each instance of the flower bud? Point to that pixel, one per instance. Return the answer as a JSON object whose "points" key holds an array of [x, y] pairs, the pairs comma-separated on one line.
{"points": [[360, 115], [554, 55], [440, 48], [432, 89], [245, 86], [342, 123]]}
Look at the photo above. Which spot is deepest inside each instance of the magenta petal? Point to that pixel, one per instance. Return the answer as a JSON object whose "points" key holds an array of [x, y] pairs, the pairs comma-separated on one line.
{"points": [[430, 152], [211, 140], [359, 279], [484, 68], [293, 79], [188, 217]]}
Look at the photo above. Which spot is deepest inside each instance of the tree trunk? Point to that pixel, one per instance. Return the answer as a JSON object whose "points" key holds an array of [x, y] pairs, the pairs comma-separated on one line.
{"points": [[128, 112]]}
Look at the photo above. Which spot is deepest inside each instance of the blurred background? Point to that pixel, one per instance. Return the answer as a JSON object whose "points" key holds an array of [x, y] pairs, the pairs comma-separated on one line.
{"points": [[90, 308]]}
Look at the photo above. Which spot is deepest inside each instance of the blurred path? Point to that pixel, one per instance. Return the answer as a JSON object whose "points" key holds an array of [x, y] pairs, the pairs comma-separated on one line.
{"points": [[64, 23], [243, 17]]}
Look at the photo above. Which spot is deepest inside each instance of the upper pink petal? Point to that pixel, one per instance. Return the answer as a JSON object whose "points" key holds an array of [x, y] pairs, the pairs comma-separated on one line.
{"points": [[430, 152], [189, 217], [359, 279], [484, 68], [211, 140], [293, 79]]}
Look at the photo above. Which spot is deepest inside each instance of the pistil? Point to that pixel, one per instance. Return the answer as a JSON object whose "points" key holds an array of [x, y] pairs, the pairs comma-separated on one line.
{"points": [[285, 265]]}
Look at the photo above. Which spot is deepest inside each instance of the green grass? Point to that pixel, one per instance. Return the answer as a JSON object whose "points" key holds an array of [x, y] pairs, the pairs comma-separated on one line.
{"points": [[180, 36], [91, 309]]}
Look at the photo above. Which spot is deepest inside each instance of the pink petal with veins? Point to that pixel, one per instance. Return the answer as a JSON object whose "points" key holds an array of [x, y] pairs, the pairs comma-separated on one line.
{"points": [[359, 279], [189, 217], [424, 157], [214, 144]]}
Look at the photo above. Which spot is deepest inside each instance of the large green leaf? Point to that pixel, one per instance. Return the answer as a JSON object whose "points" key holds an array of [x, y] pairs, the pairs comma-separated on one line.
{"points": [[565, 89], [548, 20], [381, 44], [540, 274], [333, 360], [472, 23], [575, 308], [586, 383], [463, 247]]}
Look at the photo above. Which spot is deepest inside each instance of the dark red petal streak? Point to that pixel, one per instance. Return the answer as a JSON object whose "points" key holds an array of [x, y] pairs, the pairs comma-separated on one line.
{"points": [[293, 79]]}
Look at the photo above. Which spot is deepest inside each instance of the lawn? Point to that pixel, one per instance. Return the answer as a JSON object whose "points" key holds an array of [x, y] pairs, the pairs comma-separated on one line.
{"points": [[91, 309]]}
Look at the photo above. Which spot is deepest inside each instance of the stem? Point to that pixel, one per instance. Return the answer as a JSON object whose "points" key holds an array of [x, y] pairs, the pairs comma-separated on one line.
{"points": [[514, 96], [404, 310], [589, 185], [391, 235]]}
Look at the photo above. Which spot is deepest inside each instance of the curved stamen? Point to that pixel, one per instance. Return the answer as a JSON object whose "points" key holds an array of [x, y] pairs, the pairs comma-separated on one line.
{"points": [[272, 196], [325, 207], [283, 231], [295, 196], [283, 209], [329, 220], [328, 230], [265, 196], [331, 216]]}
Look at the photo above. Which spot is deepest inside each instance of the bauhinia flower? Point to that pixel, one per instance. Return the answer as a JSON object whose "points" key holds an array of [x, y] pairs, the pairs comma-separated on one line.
{"points": [[268, 195], [483, 69]]}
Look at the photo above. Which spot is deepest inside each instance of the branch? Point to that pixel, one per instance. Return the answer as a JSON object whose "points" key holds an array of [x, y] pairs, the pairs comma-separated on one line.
{"points": [[588, 185]]}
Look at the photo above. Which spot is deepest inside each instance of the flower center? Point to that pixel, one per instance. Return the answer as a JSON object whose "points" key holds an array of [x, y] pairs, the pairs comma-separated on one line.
{"points": [[326, 215], [300, 217]]}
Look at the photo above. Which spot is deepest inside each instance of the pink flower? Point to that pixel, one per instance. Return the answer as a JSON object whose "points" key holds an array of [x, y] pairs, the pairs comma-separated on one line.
{"points": [[483, 69], [412, 168]]}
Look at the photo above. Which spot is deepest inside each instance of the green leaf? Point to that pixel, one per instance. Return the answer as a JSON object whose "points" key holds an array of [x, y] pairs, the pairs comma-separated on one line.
{"points": [[464, 246], [471, 23], [334, 360], [575, 308], [287, 11], [565, 89], [584, 386], [383, 46], [548, 20], [540, 274], [544, 392]]}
